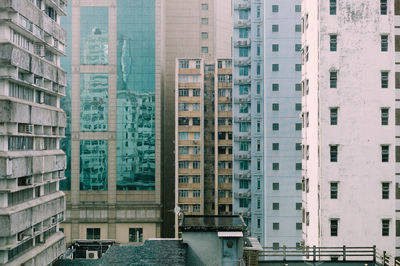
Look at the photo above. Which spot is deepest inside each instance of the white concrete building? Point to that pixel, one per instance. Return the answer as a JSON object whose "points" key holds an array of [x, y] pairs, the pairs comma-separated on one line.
{"points": [[349, 130], [31, 126]]}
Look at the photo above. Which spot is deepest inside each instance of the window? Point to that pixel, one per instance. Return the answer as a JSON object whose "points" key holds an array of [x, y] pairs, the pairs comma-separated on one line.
{"points": [[334, 227], [332, 7], [298, 107], [275, 166], [297, 28], [195, 179], [258, 222], [275, 107], [258, 12], [275, 67], [275, 226], [384, 43], [297, 47], [333, 79], [333, 43], [275, 8], [275, 146], [334, 190], [183, 150], [334, 113], [198, 64], [297, 87], [243, 108], [299, 186], [244, 184], [385, 190], [384, 79], [204, 49], [275, 28], [183, 179], [204, 6], [204, 35], [243, 14], [196, 92], [275, 126], [92, 233], [298, 146], [244, 165], [275, 47], [243, 33], [275, 246], [243, 89], [334, 153], [244, 203], [196, 208], [183, 136], [297, 67], [258, 50], [243, 127], [196, 193], [183, 193], [384, 116], [298, 166], [243, 71], [298, 205], [183, 92], [298, 126], [385, 153], [299, 226], [275, 186], [385, 227], [196, 165], [135, 234], [204, 21], [383, 7], [297, 8], [275, 87]]}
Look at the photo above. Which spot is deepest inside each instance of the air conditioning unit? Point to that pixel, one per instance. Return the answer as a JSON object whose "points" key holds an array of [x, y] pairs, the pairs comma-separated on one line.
{"points": [[91, 255], [20, 236], [28, 181], [240, 194]]}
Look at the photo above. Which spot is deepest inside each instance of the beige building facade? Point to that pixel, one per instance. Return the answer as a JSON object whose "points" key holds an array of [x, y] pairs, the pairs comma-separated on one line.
{"points": [[203, 137]]}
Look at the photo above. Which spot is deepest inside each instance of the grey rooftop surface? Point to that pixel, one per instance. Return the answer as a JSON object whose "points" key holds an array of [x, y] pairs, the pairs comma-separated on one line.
{"points": [[211, 223], [152, 252]]}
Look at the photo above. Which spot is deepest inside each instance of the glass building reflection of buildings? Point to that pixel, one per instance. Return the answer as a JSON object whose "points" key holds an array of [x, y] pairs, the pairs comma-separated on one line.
{"points": [[112, 97]]}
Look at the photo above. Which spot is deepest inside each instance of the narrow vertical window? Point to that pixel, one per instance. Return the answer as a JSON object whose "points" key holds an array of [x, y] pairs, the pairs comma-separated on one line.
{"points": [[383, 7], [334, 190], [333, 43], [332, 7], [385, 227], [334, 153], [334, 116], [333, 79], [385, 153], [334, 227], [384, 116], [385, 190], [384, 43], [384, 79]]}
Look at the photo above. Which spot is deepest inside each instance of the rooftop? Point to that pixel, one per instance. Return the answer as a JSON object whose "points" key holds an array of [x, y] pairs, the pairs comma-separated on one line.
{"points": [[207, 223]]}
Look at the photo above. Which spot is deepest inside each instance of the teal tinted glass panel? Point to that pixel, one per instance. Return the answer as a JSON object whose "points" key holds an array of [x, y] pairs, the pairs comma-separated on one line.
{"points": [[94, 35], [136, 95], [65, 102], [93, 164], [94, 102]]}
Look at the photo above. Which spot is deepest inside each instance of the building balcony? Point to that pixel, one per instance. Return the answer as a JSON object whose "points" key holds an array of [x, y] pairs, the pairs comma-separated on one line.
{"points": [[189, 71], [243, 80], [242, 43], [246, 61], [243, 136], [243, 176], [243, 5], [242, 195], [243, 118], [243, 99], [243, 156], [243, 23]]}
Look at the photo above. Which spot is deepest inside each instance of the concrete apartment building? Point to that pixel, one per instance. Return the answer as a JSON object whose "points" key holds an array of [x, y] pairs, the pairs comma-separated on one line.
{"points": [[31, 126], [267, 128], [350, 115], [113, 106], [203, 138], [193, 29]]}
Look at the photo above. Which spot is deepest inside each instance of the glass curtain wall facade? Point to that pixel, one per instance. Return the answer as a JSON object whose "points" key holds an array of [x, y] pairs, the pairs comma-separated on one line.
{"points": [[112, 98]]}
